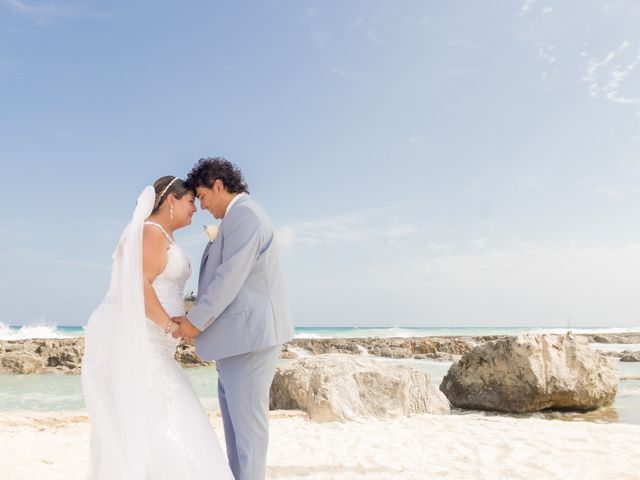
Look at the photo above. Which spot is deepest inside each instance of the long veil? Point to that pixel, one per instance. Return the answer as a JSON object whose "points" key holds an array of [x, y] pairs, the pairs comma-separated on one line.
{"points": [[115, 364]]}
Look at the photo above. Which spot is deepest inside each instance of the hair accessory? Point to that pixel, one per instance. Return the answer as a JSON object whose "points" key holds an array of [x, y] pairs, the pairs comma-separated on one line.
{"points": [[167, 188]]}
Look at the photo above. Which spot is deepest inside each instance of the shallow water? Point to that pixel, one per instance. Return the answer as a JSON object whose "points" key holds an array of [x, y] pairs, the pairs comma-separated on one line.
{"points": [[59, 392]]}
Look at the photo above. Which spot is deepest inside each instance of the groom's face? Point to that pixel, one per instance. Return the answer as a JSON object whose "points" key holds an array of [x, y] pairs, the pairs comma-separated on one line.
{"points": [[212, 200]]}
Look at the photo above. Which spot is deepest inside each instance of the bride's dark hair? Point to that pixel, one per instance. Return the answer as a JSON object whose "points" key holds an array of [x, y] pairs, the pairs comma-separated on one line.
{"points": [[178, 188]]}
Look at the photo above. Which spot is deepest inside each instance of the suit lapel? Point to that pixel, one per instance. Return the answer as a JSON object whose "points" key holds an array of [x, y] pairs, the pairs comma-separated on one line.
{"points": [[205, 254], [209, 246], [203, 262]]}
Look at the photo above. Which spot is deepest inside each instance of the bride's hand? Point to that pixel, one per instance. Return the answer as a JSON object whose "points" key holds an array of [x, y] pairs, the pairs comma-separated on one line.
{"points": [[173, 327], [186, 328]]}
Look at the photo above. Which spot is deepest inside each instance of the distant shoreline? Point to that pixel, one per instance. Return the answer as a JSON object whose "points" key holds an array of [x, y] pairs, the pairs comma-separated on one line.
{"points": [[19, 332], [46, 355]]}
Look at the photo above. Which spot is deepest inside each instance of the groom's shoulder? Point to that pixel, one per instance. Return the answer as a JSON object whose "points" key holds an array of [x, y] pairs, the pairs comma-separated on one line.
{"points": [[250, 209], [246, 207], [249, 203]]}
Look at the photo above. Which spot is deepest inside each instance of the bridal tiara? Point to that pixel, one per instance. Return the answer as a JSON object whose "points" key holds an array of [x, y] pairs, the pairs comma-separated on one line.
{"points": [[167, 188]]}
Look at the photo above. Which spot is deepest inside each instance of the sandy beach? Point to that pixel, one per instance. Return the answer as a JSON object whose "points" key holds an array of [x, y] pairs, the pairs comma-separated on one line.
{"points": [[54, 446], [44, 429]]}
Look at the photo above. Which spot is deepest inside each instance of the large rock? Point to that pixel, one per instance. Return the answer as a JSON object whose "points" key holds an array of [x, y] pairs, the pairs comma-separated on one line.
{"points": [[532, 372], [60, 355], [187, 357], [624, 356], [627, 356], [625, 337], [41, 355], [341, 387], [20, 362]]}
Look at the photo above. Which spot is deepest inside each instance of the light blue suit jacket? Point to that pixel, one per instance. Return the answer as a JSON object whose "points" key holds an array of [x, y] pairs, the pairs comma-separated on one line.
{"points": [[241, 305]]}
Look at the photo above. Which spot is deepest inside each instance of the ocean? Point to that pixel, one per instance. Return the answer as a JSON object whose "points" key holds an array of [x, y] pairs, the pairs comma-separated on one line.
{"points": [[53, 331], [60, 392]]}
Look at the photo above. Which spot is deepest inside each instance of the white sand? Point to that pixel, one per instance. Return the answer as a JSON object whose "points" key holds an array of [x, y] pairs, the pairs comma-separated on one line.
{"points": [[54, 446]]}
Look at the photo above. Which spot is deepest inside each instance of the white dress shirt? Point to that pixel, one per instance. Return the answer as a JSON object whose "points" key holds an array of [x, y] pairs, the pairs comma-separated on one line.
{"points": [[232, 202]]}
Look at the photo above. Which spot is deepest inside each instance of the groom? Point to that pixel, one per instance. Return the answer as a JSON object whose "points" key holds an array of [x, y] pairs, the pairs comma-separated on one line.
{"points": [[241, 316]]}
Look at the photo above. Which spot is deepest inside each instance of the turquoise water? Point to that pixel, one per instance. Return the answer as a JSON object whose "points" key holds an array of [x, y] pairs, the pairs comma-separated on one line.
{"points": [[54, 331], [57, 392]]}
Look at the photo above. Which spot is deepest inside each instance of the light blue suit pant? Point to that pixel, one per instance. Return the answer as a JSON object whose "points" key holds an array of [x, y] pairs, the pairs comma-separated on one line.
{"points": [[243, 392]]}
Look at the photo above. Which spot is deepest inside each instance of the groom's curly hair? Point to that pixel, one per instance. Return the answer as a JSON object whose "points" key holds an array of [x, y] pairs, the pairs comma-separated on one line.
{"points": [[208, 170]]}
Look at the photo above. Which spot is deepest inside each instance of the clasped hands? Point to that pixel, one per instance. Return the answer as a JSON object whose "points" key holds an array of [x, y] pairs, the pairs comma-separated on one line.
{"points": [[185, 328]]}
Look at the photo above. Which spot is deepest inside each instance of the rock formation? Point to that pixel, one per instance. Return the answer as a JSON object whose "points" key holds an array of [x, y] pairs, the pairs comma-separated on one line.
{"points": [[532, 372], [341, 387]]}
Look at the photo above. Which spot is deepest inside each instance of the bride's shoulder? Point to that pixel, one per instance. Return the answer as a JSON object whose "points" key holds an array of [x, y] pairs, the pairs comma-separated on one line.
{"points": [[150, 230], [153, 237]]}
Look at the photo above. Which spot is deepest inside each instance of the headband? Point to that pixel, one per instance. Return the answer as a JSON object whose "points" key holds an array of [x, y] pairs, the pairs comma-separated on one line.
{"points": [[167, 188]]}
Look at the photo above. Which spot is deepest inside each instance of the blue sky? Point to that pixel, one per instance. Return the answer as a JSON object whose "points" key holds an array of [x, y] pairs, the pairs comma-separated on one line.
{"points": [[425, 163]]}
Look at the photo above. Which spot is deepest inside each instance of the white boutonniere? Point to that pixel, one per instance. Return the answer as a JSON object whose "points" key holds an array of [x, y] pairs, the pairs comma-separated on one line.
{"points": [[211, 231]]}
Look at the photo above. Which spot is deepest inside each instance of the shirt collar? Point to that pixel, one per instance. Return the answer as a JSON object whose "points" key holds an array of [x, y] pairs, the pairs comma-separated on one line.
{"points": [[232, 202]]}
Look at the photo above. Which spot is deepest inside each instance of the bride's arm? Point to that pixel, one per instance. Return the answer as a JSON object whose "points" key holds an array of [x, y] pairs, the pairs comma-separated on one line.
{"points": [[154, 259]]}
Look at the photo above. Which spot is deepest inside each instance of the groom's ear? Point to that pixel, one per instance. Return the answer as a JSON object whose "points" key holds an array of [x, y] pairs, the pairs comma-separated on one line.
{"points": [[218, 183]]}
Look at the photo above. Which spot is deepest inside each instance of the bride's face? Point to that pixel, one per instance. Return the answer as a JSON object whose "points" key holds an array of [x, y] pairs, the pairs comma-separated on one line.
{"points": [[183, 210]]}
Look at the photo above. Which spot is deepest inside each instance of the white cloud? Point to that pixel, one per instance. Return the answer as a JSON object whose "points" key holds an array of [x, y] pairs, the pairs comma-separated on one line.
{"points": [[463, 44], [341, 73], [362, 228], [525, 285], [366, 27], [528, 183], [286, 236], [46, 12], [547, 10], [479, 243], [546, 53], [607, 79], [526, 7], [617, 191], [372, 36], [426, 21], [609, 191], [413, 142], [421, 22], [320, 36]]}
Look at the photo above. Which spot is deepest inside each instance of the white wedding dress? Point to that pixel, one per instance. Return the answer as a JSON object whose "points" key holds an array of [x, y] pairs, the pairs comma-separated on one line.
{"points": [[147, 422]]}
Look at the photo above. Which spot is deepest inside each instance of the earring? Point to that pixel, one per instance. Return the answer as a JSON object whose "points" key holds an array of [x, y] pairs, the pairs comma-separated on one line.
{"points": [[171, 212]]}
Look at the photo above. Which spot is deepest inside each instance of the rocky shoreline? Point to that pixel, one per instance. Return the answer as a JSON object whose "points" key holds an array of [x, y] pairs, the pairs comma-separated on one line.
{"points": [[65, 355]]}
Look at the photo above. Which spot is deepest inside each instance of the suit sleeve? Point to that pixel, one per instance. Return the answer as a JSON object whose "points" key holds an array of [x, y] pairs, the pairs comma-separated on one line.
{"points": [[242, 244]]}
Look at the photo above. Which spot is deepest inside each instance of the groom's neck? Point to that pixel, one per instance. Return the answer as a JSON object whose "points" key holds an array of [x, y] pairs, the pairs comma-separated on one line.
{"points": [[228, 198]]}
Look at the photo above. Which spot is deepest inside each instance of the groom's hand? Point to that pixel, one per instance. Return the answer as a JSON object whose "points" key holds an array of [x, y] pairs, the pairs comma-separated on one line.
{"points": [[185, 328]]}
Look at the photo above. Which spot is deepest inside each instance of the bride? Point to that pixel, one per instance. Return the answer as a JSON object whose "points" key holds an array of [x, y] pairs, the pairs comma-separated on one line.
{"points": [[146, 420]]}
